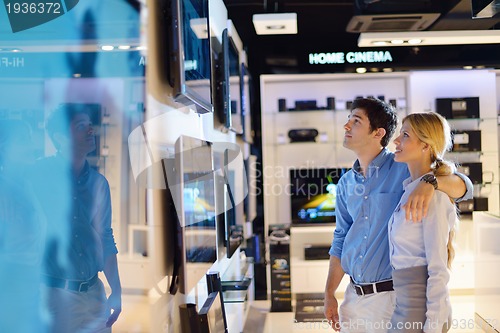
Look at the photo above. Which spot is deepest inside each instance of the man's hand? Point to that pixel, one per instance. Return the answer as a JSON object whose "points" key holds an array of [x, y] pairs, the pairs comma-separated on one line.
{"points": [[418, 202], [114, 303], [332, 312]]}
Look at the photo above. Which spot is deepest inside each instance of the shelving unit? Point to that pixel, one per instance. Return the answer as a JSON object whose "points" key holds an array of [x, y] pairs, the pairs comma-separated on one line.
{"points": [[413, 91]]}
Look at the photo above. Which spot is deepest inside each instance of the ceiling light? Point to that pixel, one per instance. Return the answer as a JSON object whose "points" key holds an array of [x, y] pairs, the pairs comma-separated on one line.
{"points": [[468, 67], [16, 50], [77, 75], [380, 43], [124, 47], [397, 41], [360, 70], [451, 37], [387, 70], [275, 23], [414, 41], [107, 47]]}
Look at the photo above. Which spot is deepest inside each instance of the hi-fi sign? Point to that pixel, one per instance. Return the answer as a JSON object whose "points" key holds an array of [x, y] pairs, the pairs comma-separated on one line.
{"points": [[26, 14]]}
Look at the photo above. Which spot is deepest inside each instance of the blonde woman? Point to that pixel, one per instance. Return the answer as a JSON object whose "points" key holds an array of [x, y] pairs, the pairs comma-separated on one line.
{"points": [[421, 253]]}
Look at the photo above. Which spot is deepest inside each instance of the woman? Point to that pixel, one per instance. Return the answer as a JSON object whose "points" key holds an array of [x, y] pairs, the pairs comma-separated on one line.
{"points": [[421, 252]]}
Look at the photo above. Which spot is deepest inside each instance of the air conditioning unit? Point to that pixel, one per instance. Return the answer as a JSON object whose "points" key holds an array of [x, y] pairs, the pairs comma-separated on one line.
{"points": [[391, 22]]}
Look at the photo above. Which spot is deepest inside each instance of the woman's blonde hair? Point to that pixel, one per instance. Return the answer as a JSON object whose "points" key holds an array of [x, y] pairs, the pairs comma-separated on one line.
{"points": [[432, 129]]}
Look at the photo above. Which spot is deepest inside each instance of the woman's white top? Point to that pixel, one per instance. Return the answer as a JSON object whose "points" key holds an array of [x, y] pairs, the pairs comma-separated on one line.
{"points": [[425, 244]]}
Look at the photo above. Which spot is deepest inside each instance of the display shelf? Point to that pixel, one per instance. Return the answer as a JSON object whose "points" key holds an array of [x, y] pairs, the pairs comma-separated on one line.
{"points": [[294, 230]]}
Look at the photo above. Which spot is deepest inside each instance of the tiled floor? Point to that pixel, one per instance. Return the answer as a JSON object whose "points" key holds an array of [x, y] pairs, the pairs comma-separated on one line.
{"points": [[136, 318]]}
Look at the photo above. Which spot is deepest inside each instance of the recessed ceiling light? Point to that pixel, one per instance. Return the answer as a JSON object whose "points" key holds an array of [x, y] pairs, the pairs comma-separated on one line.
{"points": [[448, 37], [77, 75], [480, 67], [16, 50], [141, 47], [397, 41], [374, 69], [387, 70], [468, 67], [275, 23], [380, 43], [107, 47], [360, 70], [414, 41], [124, 47]]}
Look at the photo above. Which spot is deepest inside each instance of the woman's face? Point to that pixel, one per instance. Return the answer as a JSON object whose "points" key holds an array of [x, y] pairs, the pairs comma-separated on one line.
{"points": [[408, 146]]}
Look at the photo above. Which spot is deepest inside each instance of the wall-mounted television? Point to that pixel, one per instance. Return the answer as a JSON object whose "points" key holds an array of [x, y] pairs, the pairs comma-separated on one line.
{"points": [[192, 185], [211, 314], [313, 195], [189, 69]]}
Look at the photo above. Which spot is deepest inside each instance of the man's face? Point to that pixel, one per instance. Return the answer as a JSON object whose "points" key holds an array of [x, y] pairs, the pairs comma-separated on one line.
{"points": [[82, 134], [357, 131]]}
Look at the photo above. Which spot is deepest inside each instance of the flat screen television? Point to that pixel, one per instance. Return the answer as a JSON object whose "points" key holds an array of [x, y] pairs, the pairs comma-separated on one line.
{"points": [[221, 84], [313, 195], [211, 314], [192, 185], [189, 71]]}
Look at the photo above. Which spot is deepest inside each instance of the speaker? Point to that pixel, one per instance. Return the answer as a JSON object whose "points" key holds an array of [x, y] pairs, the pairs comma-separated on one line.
{"points": [[303, 135], [282, 105], [330, 103]]}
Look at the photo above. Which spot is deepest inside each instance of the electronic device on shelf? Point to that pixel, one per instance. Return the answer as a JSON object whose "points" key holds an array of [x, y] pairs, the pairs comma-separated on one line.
{"points": [[472, 170], [316, 252], [458, 108], [464, 141], [474, 204], [313, 195], [303, 135]]}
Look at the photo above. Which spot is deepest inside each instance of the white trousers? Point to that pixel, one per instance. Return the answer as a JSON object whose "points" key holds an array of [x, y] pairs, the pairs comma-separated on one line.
{"points": [[366, 314], [76, 312]]}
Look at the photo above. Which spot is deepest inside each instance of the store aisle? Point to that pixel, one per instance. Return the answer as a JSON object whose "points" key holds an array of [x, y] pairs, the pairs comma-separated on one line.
{"points": [[463, 322], [135, 318]]}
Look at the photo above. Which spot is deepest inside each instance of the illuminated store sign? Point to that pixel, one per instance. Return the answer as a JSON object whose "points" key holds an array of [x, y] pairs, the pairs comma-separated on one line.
{"points": [[350, 57]]}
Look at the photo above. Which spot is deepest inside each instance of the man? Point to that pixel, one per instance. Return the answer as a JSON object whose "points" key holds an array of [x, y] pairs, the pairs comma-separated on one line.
{"points": [[80, 243], [366, 197]]}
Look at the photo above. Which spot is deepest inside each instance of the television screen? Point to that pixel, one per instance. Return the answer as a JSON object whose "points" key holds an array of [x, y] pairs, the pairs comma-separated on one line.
{"points": [[313, 194], [212, 315], [189, 53], [197, 239]]}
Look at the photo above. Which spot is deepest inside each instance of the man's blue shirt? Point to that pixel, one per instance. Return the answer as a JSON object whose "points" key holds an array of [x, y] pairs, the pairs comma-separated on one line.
{"points": [[364, 207]]}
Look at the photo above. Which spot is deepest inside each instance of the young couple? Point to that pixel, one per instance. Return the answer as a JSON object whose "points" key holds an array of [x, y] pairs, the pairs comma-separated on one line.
{"points": [[394, 231]]}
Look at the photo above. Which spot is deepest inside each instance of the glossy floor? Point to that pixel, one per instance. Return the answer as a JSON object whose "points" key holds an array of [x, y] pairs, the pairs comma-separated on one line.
{"points": [[135, 318]]}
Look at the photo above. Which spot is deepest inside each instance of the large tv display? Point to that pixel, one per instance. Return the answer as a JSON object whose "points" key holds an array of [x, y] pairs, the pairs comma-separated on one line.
{"points": [[313, 195], [189, 53], [192, 185]]}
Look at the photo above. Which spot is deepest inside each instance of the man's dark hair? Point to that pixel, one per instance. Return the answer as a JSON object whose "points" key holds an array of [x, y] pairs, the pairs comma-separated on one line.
{"points": [[60, 119], [380, 114]]}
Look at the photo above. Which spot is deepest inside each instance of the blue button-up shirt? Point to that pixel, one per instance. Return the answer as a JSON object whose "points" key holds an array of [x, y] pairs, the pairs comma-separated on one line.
{"points": [[78, 211], [364, 207]]}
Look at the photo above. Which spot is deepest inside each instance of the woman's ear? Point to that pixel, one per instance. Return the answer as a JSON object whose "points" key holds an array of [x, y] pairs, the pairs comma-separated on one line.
{"points": [[425, 146]]}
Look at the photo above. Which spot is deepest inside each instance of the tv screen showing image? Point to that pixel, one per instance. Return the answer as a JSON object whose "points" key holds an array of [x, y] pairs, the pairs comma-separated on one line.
{"points": [[189, 53], [193, 191], [212, 315], [313, 195], [199, 210]]}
